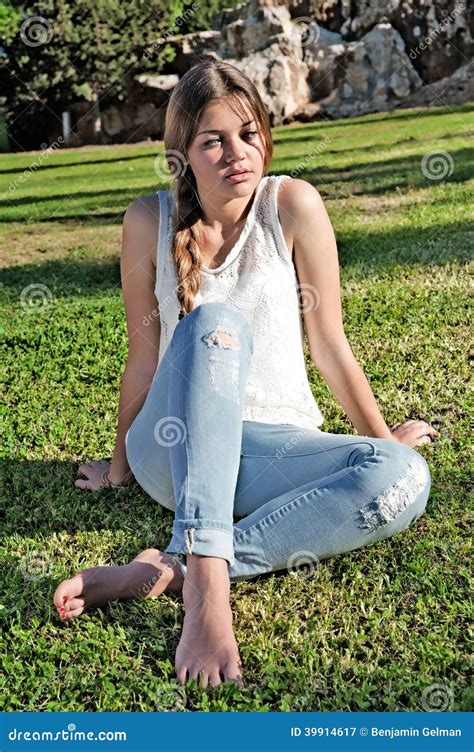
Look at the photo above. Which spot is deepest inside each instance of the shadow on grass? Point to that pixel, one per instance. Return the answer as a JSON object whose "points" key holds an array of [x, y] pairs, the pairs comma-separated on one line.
{"points": [[385, 177], [370, 178], [64, 278], [395, 115], [39, 498], [116, 194], [366, 147], [372, 252], [62, 165]]}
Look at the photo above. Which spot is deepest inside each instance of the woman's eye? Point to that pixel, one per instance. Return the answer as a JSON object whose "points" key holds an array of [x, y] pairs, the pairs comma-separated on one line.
{"points": [[213, 140]]}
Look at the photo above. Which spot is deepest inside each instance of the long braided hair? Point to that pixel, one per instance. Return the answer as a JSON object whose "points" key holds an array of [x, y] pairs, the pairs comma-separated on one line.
{"points": [[208, 81]]}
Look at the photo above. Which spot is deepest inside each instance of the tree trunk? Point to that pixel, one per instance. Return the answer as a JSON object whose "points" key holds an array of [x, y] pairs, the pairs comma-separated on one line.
{"points": [[97, 119]]}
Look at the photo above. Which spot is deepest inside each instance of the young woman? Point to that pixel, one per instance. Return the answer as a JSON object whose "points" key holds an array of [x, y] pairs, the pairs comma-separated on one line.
{"points": [[217, 421]]}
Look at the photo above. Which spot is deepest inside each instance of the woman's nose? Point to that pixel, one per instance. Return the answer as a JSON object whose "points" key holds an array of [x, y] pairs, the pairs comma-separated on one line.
{"points": [[234, 150]]}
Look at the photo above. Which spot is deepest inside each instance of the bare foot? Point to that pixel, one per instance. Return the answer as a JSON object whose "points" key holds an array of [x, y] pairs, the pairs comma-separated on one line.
{"points": [[149, 574], [207, 643]]}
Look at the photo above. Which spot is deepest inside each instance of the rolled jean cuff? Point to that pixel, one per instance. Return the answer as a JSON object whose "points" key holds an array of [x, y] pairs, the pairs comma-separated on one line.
{"points": [[203, 541]]}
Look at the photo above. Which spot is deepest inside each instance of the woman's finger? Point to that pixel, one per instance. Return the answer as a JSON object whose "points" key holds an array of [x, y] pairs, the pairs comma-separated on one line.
{"points": [[424, 424], [424, 428], [423, 440], [419, 426], [86, 484]]}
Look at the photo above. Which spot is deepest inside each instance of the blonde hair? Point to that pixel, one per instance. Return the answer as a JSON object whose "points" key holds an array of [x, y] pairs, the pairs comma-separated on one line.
{"points": [[208, 81]]}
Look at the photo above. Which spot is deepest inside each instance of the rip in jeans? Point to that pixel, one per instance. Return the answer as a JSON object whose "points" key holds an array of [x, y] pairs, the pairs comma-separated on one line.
{"points": [[395, 499], [223, 341]]}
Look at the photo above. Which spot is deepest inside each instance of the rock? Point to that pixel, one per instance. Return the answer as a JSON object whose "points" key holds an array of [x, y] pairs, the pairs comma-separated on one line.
{"points": [[454, 89], [132, 123], [437, 36], [162, 83], [272, 57], [349, 19], [320, 54], [371, 73], [279, 80], [257, 30], [438, 30], [186, 48], [312, 59]]}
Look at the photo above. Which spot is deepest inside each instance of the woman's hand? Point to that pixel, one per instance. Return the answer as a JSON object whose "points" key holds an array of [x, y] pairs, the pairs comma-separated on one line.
{"points": [[93, 476], [414, 432]]}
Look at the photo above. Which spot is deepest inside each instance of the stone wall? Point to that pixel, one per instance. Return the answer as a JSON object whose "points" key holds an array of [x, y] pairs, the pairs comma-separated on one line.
{"points": [[315, 59]]}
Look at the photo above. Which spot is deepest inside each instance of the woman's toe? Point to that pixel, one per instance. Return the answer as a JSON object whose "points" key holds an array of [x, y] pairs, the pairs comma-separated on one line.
{"points": [[232, 672], [181, 674], [193, 673]]}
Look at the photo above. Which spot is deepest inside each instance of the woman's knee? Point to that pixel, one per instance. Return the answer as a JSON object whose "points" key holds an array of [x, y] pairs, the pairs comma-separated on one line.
{"points": [[222, 323], [155, 486], [404, 498]]}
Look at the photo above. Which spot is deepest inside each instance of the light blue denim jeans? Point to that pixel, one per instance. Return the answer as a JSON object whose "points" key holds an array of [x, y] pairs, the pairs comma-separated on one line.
{"points": [[263, 496]]}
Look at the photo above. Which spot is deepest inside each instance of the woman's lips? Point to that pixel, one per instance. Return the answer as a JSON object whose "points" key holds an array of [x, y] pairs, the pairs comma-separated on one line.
{"points": [[239, 178]]}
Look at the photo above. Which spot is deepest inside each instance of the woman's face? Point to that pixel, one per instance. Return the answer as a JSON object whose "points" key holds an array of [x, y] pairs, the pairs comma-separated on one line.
{"points": [[230, 144]]}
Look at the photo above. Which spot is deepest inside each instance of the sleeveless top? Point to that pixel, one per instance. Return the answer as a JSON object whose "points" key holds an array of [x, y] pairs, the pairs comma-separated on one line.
{"points": [[258, 278]]}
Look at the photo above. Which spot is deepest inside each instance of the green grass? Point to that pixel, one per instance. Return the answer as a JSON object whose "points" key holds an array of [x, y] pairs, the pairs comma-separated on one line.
{"points": [[370, 630]]}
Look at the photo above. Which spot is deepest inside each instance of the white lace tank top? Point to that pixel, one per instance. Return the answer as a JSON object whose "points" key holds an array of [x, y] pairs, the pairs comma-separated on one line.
{"points": [[258, 278]]}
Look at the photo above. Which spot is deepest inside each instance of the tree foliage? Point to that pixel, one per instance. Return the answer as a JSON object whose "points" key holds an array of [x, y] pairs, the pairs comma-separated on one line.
{"points": [[55, 53]]}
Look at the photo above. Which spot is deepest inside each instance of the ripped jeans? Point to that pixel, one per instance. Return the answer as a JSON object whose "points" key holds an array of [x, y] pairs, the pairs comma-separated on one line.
{"points": [[263, 496]]}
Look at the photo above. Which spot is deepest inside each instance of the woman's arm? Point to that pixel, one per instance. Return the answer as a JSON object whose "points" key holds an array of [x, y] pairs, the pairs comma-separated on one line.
{"points": [[317, 267], [138, 273], [347, 381], [133, 391]]}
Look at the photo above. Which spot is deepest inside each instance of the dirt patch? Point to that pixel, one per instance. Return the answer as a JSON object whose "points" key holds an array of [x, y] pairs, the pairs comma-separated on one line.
{"points": [[23, 244]]}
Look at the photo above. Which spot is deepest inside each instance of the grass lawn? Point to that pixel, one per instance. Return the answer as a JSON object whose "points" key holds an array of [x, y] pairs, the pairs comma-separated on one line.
{"points": [[374, 629]]}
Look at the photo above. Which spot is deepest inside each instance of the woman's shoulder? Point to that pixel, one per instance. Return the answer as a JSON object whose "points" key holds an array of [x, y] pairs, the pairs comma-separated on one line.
{"points": [[141, 224], [294, 195], [291, 191], [143, 209]]}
